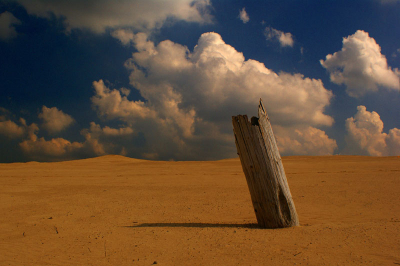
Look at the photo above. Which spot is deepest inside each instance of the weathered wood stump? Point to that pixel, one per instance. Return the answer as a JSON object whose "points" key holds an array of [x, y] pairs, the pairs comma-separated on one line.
{"points": [[263, 168]]}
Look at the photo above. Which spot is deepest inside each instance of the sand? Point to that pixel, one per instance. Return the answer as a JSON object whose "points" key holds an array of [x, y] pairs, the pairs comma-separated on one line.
{"points": [[114, 210]]}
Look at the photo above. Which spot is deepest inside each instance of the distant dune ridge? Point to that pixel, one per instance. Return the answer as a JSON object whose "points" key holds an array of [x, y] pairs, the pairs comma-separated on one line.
{"points": [[114, 210]]}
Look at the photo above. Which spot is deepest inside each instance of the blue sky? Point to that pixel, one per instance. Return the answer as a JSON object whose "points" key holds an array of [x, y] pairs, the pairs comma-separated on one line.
{"points": [[161, 79]]}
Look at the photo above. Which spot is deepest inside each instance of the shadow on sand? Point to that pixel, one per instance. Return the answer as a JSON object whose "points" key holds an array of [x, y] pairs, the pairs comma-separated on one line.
{"points": [[196, 225]]}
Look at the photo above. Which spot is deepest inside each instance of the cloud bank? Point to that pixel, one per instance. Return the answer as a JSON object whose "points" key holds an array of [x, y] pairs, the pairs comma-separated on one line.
{"points": [[54, 120], [366, 136], [7, 28], [285, 39], [361, 66], [304, 141], [14, 130], [55, 149], [190, 96], [124, 36], [98, 15], [11, 130], [51, 150]]}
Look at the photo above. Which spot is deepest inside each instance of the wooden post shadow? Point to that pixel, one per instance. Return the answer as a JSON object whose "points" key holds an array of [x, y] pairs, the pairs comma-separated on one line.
{"points": [[263, 168]]}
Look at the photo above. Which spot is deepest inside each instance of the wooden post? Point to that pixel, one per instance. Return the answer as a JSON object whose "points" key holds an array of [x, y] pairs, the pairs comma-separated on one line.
{"points": [[263, 168]]}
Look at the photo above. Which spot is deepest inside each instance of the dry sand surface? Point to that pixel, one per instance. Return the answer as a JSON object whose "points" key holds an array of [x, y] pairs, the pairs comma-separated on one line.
{"points": [[114, 210]]}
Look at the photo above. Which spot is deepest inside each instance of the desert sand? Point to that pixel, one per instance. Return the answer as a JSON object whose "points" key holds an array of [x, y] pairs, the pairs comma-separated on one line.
{"points": [[114, 210]]}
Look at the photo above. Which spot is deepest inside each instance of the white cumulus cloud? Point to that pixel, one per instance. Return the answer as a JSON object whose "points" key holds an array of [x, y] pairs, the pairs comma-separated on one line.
{"points": [[97, 140], [96, 130], [7, 26], [54, 120], [124, 36], [54, 149], [190, 97], [285, 39], [304, 141], [11, 130], [58, 149], [361, 66], [98, 15], [108, 140], [243, 15], [111, 104], [366, 136]]}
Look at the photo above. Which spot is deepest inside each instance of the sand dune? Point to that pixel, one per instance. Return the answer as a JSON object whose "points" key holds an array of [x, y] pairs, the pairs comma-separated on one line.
{"points": [[114, 210]]}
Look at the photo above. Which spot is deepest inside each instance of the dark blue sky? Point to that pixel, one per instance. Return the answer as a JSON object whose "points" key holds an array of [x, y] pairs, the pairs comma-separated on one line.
{"points": [[180, 105]]}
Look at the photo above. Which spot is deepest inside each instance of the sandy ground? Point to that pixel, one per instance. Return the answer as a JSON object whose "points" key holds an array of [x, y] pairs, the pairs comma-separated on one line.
{"points": [[114, 210]]}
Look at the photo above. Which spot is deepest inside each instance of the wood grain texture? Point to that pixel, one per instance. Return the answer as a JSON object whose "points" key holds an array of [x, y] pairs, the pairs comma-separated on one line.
{"points": [[263, 168]]}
